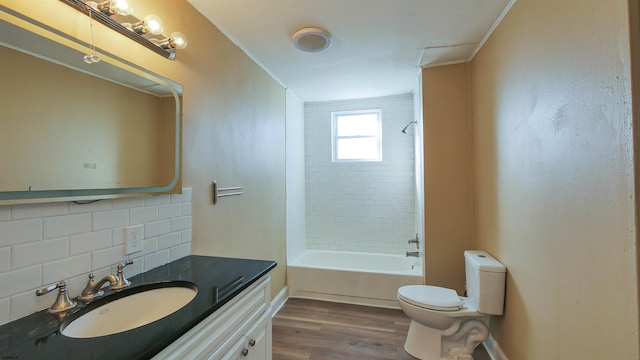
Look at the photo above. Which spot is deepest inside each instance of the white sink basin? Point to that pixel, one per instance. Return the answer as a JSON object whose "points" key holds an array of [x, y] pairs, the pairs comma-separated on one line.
{"points": [[131, 311]]}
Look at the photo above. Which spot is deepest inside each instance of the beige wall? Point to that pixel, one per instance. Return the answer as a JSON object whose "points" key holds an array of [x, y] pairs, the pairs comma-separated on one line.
{"points": [[448, 198], [234, 126], [553, 178]]}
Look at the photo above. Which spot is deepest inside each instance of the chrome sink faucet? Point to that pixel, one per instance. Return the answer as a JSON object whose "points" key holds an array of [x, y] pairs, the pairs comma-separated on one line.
{"points": [[116, 282]]}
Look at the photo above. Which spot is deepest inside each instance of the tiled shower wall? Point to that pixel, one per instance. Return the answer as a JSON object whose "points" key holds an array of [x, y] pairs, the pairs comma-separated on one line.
{"points": [[41, 244], [361, 206]]}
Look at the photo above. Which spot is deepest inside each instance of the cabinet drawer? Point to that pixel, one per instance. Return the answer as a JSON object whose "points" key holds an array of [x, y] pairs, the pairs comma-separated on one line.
{"points": [[215, 333]]}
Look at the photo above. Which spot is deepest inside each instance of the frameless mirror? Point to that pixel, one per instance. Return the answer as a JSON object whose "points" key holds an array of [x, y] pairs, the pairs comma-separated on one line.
{"points": [[73, 130]]}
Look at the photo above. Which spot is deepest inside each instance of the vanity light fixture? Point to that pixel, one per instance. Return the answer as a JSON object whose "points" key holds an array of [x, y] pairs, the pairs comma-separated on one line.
{"points": [[112, 7], [147, 32], [150, 24]]}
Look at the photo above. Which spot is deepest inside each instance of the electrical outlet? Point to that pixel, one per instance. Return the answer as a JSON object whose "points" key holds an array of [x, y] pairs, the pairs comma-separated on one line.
{"points": [[134, 235]]}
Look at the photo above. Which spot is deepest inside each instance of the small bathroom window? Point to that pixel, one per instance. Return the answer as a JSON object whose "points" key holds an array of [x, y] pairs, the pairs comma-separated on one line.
{"points": [[357, 135]]}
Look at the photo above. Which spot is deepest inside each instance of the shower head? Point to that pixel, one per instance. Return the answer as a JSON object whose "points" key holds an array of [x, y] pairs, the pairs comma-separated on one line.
{"points": [[404, 130]]}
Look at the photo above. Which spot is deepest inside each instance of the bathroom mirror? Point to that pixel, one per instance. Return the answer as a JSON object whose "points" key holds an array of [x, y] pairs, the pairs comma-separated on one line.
{"points": [[72, 130]]}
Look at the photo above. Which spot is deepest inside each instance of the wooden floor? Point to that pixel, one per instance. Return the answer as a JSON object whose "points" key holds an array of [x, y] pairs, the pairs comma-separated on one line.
{"points": [[318, 330]]}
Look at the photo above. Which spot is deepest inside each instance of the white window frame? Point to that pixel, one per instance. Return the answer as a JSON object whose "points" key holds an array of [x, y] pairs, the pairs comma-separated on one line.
{"points": [[334, 134]]}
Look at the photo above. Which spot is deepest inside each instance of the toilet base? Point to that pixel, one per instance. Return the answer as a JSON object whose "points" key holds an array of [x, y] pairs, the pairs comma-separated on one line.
{"points": [[455, 343]]}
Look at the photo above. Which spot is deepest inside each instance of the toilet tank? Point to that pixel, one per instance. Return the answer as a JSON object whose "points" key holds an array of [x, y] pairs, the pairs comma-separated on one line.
{"points": [[485, 282]]}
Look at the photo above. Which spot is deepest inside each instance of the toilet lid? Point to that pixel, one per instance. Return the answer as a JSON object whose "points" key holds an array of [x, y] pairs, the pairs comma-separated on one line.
{"points": [[431, 297]]}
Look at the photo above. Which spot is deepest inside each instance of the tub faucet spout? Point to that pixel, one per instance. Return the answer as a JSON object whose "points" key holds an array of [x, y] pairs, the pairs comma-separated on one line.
{"points": [[416, 241], [413, 253]]}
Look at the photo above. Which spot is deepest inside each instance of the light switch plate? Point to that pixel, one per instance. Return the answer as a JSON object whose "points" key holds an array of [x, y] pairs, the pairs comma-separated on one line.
{"points": [[133, 239]]}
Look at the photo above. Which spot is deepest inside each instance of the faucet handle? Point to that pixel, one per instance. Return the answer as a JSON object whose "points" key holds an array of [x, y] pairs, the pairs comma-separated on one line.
{"points": [[63, 302], [124, 264], [122, 280]]}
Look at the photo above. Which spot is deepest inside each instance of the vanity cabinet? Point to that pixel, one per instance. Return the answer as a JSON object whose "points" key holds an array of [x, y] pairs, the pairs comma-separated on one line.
{"points": [[239, 330]]}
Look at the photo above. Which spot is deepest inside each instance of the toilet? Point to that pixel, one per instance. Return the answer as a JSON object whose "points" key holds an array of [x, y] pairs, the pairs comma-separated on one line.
{"points": [[447, 326]]}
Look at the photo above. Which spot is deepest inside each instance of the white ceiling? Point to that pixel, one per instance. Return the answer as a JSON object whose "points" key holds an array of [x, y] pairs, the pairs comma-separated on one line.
{"points": [[378, 46]]}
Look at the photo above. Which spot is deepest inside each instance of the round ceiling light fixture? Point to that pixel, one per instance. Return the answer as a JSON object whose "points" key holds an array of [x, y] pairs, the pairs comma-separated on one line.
{"points": [[311, 39]]}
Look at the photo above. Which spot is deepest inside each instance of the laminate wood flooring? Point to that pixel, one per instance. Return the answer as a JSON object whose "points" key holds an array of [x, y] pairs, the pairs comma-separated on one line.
{"points": [[319, 330]]}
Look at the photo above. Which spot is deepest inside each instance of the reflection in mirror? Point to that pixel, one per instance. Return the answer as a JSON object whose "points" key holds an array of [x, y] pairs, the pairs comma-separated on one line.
{"points": [[72, 130]]}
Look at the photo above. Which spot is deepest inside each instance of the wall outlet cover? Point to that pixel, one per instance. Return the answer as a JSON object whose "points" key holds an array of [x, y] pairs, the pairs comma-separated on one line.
{"points": [[133, 238]]}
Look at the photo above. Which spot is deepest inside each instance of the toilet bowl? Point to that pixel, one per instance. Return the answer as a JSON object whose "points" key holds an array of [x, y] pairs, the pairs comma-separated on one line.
{"points": [[447, 326]]}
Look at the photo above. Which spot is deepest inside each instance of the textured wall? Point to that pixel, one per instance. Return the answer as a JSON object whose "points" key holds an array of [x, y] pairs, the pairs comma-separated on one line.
{"points": [[554, 178], [448, 198]]}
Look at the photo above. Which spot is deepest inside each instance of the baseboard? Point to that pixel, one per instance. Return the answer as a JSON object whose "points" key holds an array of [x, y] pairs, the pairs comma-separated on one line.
{"points": [[355, 300], [494, 350], [278, 302]]}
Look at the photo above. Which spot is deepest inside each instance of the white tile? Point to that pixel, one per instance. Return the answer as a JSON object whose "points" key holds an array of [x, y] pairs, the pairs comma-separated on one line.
{"points": [[100, 205], [180, 251], [76, 284], [118, 236], [39, 252], [149, 246], [86, 243], [186, 208], [26, 303], [5, 310], [157, 200], [110, 219], [128, 203], [55, 227], [5, 212], [66, 268], [107, 257], [180, 198], [134, 269], [17, 281], [156, 259], [181, 223], [20, 231], [157, 228], [186, 236], [169, 211], [30, 211], [142, 215], [169, 240], [5, 259]]}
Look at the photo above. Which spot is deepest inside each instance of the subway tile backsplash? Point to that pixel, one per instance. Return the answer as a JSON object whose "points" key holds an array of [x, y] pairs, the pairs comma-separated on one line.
{"points": [[41, 244]]}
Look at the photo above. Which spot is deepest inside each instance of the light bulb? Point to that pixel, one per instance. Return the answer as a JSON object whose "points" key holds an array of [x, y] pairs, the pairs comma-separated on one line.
{"points": [[122, 7], [153, 24], [178, 40]]}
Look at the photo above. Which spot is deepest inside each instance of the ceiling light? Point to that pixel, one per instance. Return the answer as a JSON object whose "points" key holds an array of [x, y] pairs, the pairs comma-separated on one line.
{"points": [[311, 39]]}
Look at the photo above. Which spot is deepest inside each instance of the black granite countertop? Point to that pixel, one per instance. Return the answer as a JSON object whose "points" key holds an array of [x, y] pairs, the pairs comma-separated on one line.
{"points": [[37, 336]]}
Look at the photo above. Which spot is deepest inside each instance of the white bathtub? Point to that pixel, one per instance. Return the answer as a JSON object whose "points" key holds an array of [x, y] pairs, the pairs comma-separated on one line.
{"points": [[358, 278]]}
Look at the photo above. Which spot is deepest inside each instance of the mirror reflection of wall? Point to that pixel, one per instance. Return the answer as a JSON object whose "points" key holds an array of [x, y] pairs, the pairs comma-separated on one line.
{"points": [[67, 133], [64, 129]]}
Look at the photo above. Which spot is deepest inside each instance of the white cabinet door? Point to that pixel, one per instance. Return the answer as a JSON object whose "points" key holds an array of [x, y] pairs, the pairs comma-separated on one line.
{"points": [[259, 340], [235, 353]]}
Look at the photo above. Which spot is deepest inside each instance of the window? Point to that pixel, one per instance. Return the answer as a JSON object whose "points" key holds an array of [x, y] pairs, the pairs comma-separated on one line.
{"points": [[357, 135]]}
